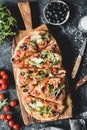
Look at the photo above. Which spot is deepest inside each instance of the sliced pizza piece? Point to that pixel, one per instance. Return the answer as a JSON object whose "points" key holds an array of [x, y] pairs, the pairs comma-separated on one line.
{"points": [[26, 76], [38, 58], [34, 42], [42, 110], [47, 59], [50, 88], [32, 76]]}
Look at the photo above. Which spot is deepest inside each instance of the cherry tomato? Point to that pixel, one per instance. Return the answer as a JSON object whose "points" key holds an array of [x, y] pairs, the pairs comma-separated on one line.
{"points": [[2, 73], [54, 70], [2, 81], [6, 108], [2, 97], [9, 116], [48, 64], [11, 123], [5, 76], [13, 103], [2, 116], [4, 86], [16, 126]]}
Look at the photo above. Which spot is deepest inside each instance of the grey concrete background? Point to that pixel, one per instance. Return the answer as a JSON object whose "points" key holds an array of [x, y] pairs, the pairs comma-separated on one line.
{"points": [[70, 39]]}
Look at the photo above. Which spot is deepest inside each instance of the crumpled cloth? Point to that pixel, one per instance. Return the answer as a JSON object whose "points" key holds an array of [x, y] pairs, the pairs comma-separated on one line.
{"points": [[78, 123]]}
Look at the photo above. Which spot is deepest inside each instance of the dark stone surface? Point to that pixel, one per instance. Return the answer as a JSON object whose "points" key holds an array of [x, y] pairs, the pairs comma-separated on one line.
{"points": [[70, 39]]}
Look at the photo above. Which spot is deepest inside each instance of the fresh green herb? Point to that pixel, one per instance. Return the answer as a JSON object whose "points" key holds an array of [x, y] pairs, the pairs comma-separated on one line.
{"points": [[29, 73], [46, 36], [7, 24], [24, 47], [2, 103], [51, 88], [48, 111], [44, 54], [44, 110], [42, 73], [50, 56], [59, 90], [34, 44], [55, 62], [34, 102]]}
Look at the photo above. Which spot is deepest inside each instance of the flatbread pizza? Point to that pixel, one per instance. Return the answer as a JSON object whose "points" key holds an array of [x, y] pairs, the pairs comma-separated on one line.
{"points": [[40, 76]]}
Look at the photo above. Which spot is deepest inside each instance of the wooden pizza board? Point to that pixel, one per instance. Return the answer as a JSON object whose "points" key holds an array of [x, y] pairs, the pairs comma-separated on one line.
{"points": [[24, 8]]}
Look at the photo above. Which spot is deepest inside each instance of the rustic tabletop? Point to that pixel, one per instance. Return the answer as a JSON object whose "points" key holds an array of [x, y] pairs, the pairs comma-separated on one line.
{"points": [[70, 39]]}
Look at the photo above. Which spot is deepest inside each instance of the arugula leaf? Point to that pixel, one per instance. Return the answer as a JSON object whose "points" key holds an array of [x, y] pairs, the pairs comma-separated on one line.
{"points": [[44, 110], [42, 73], [2, 103], [48, 111], [46, 36], [34, 44], [51, 88], [7, 24], [59, 90]]}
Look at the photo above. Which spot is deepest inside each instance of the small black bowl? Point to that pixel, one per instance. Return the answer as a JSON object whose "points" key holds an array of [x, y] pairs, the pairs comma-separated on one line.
{"points": [[56, 12]]}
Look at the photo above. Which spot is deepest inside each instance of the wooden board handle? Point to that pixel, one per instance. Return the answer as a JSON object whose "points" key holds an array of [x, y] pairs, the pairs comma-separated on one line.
{"points": [[24, 8]]}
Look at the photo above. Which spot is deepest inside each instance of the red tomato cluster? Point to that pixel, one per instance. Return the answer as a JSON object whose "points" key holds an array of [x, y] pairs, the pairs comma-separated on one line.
{"points": [[5, 116], [3, 80]]}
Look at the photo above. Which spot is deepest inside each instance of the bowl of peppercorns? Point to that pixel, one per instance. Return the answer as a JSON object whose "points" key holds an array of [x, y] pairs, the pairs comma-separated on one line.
{"points": [[56, 12]]}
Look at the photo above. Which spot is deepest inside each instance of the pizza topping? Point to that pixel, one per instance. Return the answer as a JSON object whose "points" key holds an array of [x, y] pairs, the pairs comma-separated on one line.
{"points": [[24, 47], [36, 62], [46, 36], [43, 88], [34, 44], [50, 56], [43, 74], [58, 91], [22, 73], [54, 70], [55, 91], [58, 72], [25, 90], [44, 110], [51, 88], [36, 104], [29, 73], [39, 38], [46, 57]]}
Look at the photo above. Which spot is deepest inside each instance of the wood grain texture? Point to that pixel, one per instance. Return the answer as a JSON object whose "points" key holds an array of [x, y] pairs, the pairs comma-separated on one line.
{"points": [[26, 14]]}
